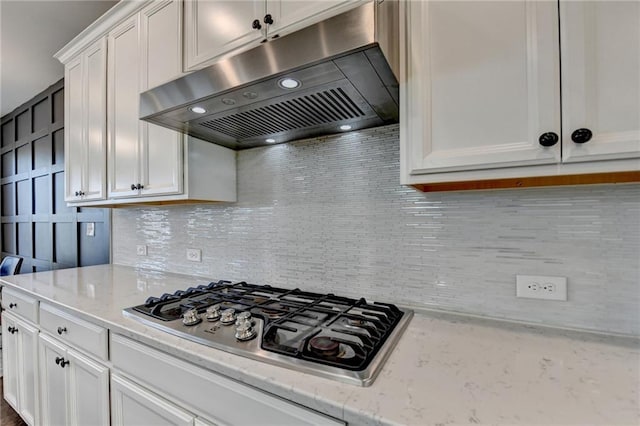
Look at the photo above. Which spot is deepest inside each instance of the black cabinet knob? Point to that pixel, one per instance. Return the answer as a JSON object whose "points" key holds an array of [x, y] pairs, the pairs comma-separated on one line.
{"points": [[268, 19], [77, 193], [133, 186], [13, 305], [61, 362], [62, 330], [548, 139], [139, 186], [581, 136], [256, 24], [12, 330]]}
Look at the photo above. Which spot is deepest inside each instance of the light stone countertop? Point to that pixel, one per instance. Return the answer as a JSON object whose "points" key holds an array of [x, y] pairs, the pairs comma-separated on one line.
{"points": [[446, 368]]}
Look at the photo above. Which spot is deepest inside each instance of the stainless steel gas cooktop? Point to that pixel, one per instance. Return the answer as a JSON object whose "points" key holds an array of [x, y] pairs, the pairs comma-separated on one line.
{"points": [[330, 336]]}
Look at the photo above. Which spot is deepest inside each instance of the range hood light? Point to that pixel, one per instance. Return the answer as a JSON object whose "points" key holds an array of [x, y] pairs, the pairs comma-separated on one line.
{"points": [[345, 127], [289, 83], [270, 140], [198, 110]]}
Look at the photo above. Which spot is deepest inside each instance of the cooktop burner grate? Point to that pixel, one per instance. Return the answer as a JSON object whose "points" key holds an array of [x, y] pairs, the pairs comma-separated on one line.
{"points": [[310, 330]]}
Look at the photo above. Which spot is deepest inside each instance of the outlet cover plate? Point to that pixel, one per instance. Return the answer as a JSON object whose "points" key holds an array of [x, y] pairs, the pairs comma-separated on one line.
{"points": [[541, 287], [194, 255]]}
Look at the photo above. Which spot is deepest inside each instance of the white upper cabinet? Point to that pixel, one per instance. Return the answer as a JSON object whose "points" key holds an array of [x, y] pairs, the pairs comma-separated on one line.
{"points": [[85, 126], [146, 161], [292, 15], [124, 125], [215, 29], [161, 43], [480, 89], [481, 85], [600, 79], [161, 53], [140, 46]]}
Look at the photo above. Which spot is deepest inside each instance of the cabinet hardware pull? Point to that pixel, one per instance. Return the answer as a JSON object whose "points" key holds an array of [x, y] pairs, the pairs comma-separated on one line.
{"points": [[133, 186], [268, 19], [581, 136], [13, 305], [139, 186], [77, 193], [548, 139], [62, 330], [12, 330], [256, 24], [61, 362]]}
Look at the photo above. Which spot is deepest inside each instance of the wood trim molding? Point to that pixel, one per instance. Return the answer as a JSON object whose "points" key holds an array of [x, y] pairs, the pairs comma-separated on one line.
{"points": [[529, 182]]}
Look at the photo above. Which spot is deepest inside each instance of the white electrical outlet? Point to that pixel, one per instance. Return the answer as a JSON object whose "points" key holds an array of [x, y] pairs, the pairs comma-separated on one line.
{"points": [[541, 287], [194, 255], [91, 229], [141, 250]]}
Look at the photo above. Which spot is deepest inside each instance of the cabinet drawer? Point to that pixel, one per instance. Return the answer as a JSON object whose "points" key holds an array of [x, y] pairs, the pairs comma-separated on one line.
{"points": [[75, 331], [234, 403], [20, 304]]}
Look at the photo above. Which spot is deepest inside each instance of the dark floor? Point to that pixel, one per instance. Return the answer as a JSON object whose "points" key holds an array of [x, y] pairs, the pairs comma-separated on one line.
{"points": [[8, 417]]}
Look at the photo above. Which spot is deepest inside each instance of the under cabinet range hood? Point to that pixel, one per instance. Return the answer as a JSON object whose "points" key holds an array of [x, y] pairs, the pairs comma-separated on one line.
{"points": [[333, 76]]}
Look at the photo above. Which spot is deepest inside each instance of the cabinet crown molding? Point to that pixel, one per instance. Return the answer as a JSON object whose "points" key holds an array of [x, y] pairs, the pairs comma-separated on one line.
{"points": [[99, 28]]}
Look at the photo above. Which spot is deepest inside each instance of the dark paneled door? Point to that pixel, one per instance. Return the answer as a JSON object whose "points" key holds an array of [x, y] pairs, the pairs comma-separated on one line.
{"points": [[36, 222]]}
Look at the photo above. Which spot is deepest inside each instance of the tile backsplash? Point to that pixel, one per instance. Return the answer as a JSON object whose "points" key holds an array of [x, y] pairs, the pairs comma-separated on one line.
{"points": [[329, 215]]}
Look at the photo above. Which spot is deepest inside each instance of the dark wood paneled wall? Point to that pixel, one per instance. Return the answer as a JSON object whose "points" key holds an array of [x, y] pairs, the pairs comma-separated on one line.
{"points": [[36, 223]]}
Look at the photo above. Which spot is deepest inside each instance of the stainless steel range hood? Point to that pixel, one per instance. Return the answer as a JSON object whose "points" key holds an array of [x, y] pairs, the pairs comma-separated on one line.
{"points": [[346, 67]]}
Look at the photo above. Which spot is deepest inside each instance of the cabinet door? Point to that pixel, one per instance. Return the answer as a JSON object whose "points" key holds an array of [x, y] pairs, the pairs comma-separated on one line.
{"points": [[95, 77], [74, 149], [481, 85], [161, 52], [88, 391], [601, 78], [292, 15], [132, 405], [217, 27], [27, 367], [123, 99], [9, 362], [53, 383]]}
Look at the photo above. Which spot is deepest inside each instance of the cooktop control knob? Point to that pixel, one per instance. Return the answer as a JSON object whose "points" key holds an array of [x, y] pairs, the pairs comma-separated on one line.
{"points": [[245, 331], [191, 317], [243, 318], [213, 313], [228, 316]]}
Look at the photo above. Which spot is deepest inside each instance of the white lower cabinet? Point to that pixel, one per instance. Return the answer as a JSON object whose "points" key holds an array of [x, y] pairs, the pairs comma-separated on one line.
{"points": [[74, 389], [202, 392], [20, 367], [132, 405]]}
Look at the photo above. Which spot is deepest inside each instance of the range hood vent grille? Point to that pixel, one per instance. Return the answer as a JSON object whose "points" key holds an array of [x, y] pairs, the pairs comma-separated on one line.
{"points": [[310, 110]]}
